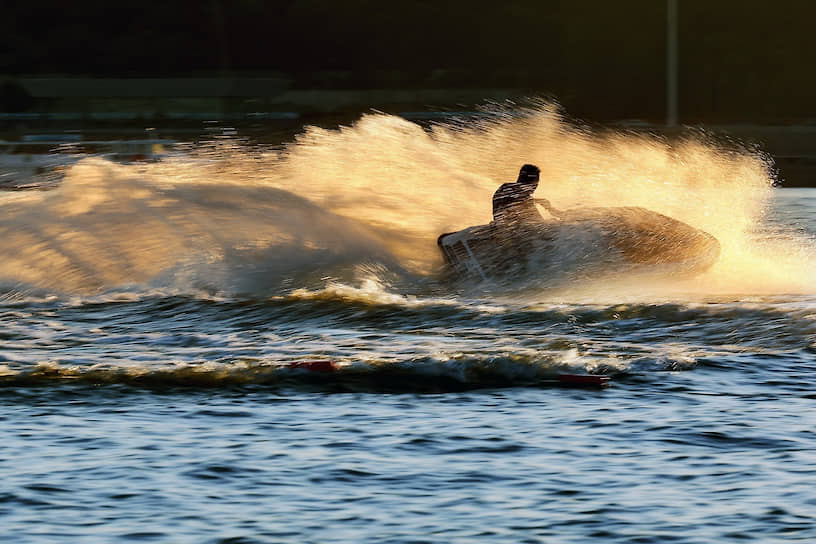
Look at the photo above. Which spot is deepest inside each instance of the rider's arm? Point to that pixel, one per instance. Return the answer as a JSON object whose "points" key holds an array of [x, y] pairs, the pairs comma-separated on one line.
{"points": [[547, 206]]}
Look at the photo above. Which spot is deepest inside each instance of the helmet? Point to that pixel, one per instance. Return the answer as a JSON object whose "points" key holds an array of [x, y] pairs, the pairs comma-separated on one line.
{"points": [[528, 173]]}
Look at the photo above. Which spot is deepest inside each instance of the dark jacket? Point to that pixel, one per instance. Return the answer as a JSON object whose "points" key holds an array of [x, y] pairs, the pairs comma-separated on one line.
{"points": [[513, 202]]}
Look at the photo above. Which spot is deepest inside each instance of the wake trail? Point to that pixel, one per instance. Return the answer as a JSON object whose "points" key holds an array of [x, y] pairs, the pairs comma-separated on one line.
{"points": [[336, 204]]}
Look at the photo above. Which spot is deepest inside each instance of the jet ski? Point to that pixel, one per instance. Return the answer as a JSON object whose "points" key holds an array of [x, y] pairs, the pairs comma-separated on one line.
{"points": [[583, 242]]}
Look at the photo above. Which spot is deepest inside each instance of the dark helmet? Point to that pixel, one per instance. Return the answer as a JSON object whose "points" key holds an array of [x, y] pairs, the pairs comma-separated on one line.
{"points": [[528, 173]]}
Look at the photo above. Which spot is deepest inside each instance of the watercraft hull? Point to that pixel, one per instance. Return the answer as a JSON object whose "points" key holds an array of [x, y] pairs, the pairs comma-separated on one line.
{"points": [[626, 240]]}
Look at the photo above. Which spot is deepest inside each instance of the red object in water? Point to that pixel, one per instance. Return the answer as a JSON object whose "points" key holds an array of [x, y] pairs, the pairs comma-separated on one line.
{"points": [[587, 380], [313, 366]]}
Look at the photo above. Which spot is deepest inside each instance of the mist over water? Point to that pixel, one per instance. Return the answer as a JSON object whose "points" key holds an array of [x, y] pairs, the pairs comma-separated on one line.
{"points": [[368, 201]]}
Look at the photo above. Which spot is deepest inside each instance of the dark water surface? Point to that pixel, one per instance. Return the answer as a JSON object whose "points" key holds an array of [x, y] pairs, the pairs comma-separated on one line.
{"points": [[153, 417]]}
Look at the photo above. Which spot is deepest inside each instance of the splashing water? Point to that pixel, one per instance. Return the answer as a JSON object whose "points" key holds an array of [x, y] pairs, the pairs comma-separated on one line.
{"points": [[230, 217]]}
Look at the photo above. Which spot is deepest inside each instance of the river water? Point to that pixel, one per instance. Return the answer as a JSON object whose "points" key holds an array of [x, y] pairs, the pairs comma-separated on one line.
{"points": [[151, 315]]}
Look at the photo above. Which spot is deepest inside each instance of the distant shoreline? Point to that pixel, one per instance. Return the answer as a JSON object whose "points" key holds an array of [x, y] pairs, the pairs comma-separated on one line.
{"points": [[271, 105]]}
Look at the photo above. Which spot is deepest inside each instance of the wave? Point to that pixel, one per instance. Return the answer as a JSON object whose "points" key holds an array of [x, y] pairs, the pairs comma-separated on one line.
{"points": [[424, 375], [377, 339]]}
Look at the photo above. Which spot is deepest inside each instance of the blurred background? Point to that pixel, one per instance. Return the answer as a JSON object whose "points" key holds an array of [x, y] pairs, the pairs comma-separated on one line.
{"points": [[738, 68]]}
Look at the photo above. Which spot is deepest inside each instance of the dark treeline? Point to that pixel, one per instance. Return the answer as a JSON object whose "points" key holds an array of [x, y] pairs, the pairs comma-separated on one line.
{"points": [[748, 58]]}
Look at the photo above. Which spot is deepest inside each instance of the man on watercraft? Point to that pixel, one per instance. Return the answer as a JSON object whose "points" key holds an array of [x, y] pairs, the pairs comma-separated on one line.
{"points": [[513, 203], [520, 241]]}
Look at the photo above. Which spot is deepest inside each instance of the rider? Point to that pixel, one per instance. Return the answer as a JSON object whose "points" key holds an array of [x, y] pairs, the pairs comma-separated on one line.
{"points": [[513, 203]]}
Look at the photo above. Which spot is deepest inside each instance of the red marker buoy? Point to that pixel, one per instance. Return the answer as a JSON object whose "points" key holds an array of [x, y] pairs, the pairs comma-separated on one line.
{"points": [[313, 366]]}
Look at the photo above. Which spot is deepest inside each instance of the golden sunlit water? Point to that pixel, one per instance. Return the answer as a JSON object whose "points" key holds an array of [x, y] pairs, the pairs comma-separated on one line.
{"points": [[381, 190]]}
